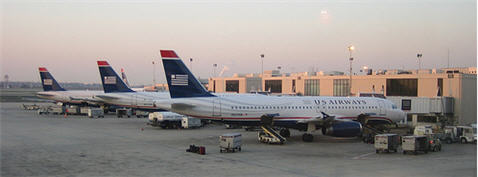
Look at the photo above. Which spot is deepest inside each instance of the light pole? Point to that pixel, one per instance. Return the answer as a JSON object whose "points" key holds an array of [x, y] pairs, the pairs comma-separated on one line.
{"points": [[351, 49], [154, 76], [191, 64], [419, 56], [262, 69], [214, 66]]}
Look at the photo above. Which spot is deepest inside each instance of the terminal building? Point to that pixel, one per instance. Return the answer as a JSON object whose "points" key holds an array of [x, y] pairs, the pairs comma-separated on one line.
{"points": [[429, 96]]}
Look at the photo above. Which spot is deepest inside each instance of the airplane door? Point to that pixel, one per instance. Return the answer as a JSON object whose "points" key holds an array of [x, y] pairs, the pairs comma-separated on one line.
{"points": [[381, 107], [216, 107]]}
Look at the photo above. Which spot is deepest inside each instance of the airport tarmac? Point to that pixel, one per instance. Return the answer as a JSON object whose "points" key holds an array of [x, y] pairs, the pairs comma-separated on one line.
{"points": [[50, 145]]}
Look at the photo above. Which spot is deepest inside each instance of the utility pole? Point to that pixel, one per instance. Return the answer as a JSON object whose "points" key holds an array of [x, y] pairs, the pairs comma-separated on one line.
{"points": [[154, 75], [351, 49], [262, 69]]}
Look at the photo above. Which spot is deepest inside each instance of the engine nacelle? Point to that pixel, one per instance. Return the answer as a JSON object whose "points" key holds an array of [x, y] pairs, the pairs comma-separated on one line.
{"points": [[343, 129]]}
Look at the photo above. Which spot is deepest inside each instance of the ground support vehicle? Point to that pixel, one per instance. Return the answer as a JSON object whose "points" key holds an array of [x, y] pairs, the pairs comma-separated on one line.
{"points": [[96, 112], [165, 120], [123, 112], [467, 134], [141, 114], [230, 142], [44, 110], [386, 142], [190, 122], [435, 143], [414, 144]]}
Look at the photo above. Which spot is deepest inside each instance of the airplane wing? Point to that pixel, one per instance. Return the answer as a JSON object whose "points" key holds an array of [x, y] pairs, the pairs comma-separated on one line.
{"points": [[182, 106], [324, 119], [45, 94], [107, 97]]}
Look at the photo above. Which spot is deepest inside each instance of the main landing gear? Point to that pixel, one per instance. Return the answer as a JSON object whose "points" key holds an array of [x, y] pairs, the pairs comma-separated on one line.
{"points": [[285, 132]]}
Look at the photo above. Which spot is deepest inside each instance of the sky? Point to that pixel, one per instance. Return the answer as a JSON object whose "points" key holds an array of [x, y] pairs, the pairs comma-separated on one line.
{"points": [[69, 36]]}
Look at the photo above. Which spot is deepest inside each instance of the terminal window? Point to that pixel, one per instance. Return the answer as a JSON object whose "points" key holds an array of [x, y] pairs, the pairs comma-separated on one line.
{"points": [[232, 86], [402, 87], [274, 86], [312, 87], [341, 87]]}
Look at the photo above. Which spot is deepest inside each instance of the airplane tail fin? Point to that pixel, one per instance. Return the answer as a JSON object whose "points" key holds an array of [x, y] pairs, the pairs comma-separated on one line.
{"points": [[181, 82], [48, 82], [110, 79]]}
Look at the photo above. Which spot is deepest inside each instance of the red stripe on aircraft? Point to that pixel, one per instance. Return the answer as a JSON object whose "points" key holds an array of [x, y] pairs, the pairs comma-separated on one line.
{"points": [[42, 69], [103, 63], [168, 54]]}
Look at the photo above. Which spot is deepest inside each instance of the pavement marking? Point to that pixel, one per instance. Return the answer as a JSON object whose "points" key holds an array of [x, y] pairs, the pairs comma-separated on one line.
{"points": [[363, 155]]}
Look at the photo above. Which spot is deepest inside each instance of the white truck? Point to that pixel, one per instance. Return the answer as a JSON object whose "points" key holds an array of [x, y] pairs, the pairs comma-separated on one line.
{"points": [[463, 134], [165, 120], [423, 130], [230, 142], [467, 134]]}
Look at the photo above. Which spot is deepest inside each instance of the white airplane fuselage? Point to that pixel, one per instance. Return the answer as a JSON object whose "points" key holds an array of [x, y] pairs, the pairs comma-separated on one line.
{"points": [[71, 96], [289, 109], [139, 100]]}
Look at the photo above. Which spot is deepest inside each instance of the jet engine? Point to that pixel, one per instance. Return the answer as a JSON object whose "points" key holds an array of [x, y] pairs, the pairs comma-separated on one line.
{"points": [[343, 129]]}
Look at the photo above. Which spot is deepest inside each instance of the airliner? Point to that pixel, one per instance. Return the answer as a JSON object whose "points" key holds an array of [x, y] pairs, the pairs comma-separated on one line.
{"points": [[53, 91], [117, 92], [336, 116]]}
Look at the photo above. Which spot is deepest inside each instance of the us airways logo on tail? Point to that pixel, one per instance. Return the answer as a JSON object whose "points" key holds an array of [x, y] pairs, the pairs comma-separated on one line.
{"points": [[110, 80], [47, 82], [179, 79]]}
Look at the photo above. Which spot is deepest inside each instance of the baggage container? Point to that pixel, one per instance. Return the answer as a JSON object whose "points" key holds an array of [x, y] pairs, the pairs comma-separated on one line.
{"points": [[415, 144], [96, 112], [230, 142], [386, 142], [190, 122]]}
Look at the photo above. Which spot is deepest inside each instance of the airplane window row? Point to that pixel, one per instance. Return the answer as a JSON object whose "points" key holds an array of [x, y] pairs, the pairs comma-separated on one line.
{"points": [[352, 107], [303, 107], [272, 107]]}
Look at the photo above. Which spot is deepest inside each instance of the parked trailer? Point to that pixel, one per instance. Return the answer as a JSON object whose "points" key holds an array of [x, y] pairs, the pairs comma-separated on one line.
{"points": [[386, 142], [230, 142], [415, 144], [96, 112], [190, 122]]}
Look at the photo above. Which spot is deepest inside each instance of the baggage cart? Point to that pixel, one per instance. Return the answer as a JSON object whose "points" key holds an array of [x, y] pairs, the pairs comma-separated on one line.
{"points": [[123, 112], [190, 122], [415, 144], [96, 112], [230, 142], [386, 143]]}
